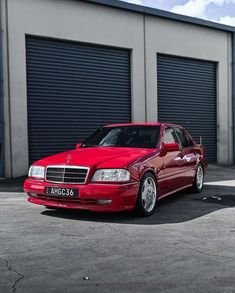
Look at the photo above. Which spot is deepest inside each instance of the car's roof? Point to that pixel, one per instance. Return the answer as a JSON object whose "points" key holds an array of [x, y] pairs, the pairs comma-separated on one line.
{"points": [[135, 124], [142, 124]]}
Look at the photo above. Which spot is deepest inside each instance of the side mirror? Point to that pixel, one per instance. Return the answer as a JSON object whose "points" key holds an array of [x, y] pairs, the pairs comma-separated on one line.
{"points": [[171, 147], [78, 145]]}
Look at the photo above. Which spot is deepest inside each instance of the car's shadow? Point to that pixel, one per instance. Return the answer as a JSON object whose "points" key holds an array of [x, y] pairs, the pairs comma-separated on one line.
{"points": [[180, 207]]}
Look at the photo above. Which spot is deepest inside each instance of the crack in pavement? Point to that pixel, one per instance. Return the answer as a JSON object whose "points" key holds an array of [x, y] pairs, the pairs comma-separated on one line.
{"points": [[9, 268], [74, 235], [117, 230], [91, 227], [205, 253], [214, 255], [70, 235]]}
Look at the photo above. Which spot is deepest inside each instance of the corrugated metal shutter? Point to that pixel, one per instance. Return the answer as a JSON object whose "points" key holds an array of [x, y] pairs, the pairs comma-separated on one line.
{"points": [[187, 96], [72, 90]]}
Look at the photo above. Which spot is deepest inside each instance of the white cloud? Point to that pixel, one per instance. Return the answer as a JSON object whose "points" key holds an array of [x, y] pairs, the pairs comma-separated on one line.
{"points": [[229, 20], [139, 2], [197, 8], [194, 8]]}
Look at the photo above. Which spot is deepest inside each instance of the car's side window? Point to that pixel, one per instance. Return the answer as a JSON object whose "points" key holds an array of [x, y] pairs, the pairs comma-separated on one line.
{"points": [[184, 140], [169, 135], [191, 143]]}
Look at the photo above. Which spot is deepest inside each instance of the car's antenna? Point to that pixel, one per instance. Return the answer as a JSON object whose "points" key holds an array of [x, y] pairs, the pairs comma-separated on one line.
{"points": [[200, 140]]}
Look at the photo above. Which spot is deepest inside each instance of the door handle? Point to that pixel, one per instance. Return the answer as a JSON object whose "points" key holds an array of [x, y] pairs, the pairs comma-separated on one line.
{"points": [[180, 155]]}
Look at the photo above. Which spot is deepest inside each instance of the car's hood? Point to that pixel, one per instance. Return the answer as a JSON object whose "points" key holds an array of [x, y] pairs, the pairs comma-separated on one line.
{"points": [[99, 157]]}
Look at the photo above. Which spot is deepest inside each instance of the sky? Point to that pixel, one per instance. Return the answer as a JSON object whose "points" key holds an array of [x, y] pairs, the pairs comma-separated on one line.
{"points": [[222, 11]]}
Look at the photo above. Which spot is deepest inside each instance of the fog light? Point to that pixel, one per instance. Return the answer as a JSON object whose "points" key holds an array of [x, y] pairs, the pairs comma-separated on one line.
{"points": [[104, 201], [33, 194]]}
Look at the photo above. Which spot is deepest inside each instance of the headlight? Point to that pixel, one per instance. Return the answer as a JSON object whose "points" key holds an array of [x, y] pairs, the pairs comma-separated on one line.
{"points": [[111, 175], [36, 172]]}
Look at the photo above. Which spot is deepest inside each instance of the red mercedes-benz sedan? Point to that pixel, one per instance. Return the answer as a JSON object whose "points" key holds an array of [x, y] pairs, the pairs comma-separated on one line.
{"points": [[120, 167]]}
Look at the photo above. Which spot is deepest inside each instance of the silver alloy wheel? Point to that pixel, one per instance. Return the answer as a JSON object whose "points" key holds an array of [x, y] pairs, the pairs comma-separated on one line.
{"points": [[199, 177], [149, 194]]}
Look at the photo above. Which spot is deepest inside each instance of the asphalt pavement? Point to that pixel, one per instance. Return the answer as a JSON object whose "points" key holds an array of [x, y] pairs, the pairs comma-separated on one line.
{"points": [[187, 246]]}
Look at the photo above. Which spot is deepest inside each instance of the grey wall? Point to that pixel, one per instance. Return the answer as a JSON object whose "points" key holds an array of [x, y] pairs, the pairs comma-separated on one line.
{"points": [[84, 22], [68, 20], [179, 39]]}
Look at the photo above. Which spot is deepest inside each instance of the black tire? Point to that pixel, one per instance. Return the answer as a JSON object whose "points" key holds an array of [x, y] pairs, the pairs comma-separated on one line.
{"points": [[199, 179], [146, 203]]}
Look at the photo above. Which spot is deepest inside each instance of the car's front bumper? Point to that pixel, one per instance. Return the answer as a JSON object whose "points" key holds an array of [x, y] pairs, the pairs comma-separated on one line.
{"points": [[121, 197]]}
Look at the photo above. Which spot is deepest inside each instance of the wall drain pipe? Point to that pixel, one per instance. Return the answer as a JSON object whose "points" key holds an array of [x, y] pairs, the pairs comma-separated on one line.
{"points": [[2, 165], [233, 92]]}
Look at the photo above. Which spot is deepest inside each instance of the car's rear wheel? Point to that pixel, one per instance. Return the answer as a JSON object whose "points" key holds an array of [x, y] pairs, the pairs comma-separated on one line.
{"points": [[147, 196], [199, 179]]}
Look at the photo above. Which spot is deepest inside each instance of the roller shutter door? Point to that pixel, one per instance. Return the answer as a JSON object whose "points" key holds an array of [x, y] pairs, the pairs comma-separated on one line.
{"points": [[187, 96], [72, 90]]}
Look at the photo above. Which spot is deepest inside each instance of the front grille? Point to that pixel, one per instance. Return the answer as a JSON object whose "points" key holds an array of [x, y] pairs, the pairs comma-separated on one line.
{"points": [[66, 174]]}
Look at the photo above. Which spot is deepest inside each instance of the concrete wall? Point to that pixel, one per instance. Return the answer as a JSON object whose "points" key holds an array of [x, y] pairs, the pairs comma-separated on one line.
{"points": [[86, 22], [187, 40], [68, 20]]}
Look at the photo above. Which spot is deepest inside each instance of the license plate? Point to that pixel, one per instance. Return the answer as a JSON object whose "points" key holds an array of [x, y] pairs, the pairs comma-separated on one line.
{"points": [[63, 192]]}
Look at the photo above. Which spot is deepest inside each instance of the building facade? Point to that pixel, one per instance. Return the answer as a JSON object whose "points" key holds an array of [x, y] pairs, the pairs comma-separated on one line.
{"points": [[71, 66]]}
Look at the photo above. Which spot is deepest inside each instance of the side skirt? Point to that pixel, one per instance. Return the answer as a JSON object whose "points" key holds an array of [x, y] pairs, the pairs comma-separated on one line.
{"points": [[175, 191]]}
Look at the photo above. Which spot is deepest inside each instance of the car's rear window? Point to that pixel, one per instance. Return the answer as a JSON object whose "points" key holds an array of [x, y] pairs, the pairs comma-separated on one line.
{"points": [[124, 136]]}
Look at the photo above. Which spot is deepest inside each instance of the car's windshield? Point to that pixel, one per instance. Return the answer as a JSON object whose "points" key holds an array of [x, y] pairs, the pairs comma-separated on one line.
{"points": [[124, 136]]}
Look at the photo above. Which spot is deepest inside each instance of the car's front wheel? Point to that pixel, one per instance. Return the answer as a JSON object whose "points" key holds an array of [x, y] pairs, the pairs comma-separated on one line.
{"points": [[147, 196]]}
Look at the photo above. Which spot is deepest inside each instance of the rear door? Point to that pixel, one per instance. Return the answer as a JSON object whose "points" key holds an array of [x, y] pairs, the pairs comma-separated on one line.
{"points": [[189, 154], [173, 171]]}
